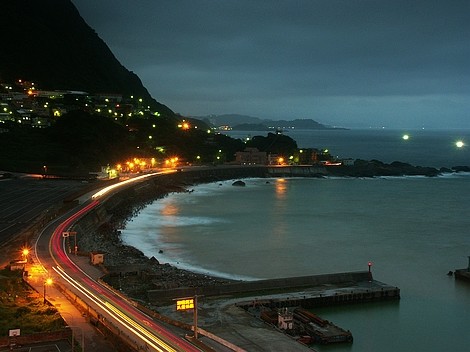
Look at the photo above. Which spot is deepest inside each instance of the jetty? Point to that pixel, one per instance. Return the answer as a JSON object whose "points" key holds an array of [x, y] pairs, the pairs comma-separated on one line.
{"points": [[305, 291], [291, 312], [284, 306]]}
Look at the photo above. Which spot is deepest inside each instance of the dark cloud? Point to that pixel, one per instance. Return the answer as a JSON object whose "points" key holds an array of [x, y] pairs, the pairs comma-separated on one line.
{"points": [[396, 63]]}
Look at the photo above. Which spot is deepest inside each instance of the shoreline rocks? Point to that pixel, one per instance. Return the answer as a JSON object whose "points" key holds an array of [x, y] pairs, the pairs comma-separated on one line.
{"points": [[376, 168], [127, 268]]}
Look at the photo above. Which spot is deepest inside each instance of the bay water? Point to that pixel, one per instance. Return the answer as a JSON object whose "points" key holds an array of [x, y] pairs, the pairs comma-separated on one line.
{"points": [[435, 148], [413, 229]]}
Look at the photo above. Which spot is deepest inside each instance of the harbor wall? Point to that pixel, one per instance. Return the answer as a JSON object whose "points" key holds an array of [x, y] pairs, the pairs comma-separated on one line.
{"points": [[321, 300], [261, 286]]}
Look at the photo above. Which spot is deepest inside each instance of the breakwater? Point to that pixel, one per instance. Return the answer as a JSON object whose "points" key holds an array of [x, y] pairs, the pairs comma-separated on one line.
{"points": [[305, 291]]}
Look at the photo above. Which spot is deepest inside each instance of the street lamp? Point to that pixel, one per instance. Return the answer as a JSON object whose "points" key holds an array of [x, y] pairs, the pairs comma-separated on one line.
{"points": [[25, 254], [47, 282]]}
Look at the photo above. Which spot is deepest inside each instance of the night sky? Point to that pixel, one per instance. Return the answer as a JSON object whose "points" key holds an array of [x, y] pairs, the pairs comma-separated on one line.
{"points": [[394, 64]]}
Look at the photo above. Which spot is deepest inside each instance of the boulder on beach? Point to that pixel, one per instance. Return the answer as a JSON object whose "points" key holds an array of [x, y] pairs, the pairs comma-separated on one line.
{"points": [[239, 183]]}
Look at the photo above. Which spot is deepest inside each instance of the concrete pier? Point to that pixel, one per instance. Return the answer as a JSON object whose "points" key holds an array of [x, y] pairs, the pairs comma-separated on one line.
{"points": [[234, 311], [315, 290]]}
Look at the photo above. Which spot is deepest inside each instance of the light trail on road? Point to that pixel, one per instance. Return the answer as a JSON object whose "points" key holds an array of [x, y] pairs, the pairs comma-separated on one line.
{"points": [[131, 180], [117, 307], [130, 324]]}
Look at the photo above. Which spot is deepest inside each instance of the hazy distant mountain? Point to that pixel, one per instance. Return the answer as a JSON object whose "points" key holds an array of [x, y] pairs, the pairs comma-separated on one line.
{"points": [[49, 43], [229, 119], [245, 123]]}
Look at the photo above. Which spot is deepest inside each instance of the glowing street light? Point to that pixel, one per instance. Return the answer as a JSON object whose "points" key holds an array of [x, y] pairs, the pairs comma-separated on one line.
{"points": [[184, 125], [47, 282], [25, 253], [459, 144]]}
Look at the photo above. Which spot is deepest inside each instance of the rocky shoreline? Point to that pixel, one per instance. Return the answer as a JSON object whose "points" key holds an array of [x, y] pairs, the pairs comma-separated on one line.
{"points": [[377, 168], [126, 268], [130, 271]]}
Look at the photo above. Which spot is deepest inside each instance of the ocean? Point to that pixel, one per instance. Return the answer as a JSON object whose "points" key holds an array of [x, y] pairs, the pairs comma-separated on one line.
{"points": [[413, 229], [436, 148]]}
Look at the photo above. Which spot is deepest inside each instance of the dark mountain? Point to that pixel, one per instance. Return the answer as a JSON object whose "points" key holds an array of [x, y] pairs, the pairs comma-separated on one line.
{"points": [[49, 43]]}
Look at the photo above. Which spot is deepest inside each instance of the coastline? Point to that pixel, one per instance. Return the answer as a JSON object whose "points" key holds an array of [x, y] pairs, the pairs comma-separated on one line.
{"points": [[107, 238], [121, 259]]}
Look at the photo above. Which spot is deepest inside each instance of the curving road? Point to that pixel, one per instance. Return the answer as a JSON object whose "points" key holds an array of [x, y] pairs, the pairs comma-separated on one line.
{"points": [[139, 329]]}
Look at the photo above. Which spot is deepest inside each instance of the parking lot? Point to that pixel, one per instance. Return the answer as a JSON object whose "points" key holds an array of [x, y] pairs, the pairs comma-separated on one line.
{"points": [[23, 199]]}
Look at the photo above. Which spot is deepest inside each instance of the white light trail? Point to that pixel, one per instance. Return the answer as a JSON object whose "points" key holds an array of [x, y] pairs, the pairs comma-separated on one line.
{"points": [[135, 328], [124, 183]]}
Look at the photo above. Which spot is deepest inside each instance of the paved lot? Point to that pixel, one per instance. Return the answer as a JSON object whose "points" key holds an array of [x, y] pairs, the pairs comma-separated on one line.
{"points": [[57, 346], [23, 199]]}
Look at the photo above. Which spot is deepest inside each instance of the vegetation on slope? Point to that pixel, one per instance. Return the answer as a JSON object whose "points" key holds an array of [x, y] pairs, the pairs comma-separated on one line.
{"points": [[21, 307]]}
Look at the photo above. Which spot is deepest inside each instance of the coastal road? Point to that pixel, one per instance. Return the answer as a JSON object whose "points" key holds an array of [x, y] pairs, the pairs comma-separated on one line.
{"points": [[140, 330]]}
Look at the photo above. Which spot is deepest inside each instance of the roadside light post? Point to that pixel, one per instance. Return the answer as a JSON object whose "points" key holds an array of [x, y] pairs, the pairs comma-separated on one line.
{"points": [[47, 282], [25, 254], [369, 264]]}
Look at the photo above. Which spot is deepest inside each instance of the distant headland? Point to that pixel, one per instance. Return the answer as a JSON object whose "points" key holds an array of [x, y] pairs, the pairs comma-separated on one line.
{"points": [[250, 123]]}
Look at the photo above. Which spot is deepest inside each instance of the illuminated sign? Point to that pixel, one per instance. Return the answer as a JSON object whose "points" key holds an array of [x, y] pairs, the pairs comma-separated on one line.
{"points": [[185, 304]]}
